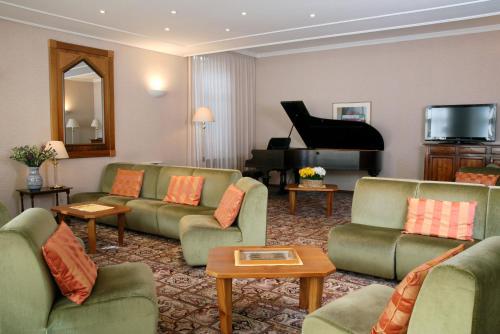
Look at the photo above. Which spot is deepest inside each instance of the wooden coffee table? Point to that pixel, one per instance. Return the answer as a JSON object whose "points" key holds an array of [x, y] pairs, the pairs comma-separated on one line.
{"points": [[329, 189], [64, 211], [316, 265]]}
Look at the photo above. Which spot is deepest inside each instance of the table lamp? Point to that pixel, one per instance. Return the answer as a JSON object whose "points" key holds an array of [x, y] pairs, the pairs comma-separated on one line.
{"points": [[96, 125], [61, 153], [203, 115], [72, 124]]}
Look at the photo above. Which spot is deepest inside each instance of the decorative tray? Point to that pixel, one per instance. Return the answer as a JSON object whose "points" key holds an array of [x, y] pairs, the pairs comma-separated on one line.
{"points": [[266, 257], [91, 207]]}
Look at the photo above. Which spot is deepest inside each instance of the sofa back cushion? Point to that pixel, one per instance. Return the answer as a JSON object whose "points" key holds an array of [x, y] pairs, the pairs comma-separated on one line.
{"points": [[149, 182], [28, 290], [127, 183], [216, 183], [476, 178], [382, 202], [493, 213], [164, 176], [450, 191], [185, 190]]}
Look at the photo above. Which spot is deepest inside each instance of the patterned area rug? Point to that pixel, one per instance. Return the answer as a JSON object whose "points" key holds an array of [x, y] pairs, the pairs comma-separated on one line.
{"points": [[187, 296]]}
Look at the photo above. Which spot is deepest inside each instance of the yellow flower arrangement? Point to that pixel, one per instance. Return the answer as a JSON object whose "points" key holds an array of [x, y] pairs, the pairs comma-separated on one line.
{"points": [[312, 173]]}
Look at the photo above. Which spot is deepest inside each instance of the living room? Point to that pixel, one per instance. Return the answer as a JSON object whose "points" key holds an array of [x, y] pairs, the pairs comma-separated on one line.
{"points": [[171, 60]]}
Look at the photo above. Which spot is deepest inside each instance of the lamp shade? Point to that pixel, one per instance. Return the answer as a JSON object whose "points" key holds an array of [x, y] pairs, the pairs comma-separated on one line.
{"points": [[203, 114], [95, 124], [59, 147], [72, 123]]}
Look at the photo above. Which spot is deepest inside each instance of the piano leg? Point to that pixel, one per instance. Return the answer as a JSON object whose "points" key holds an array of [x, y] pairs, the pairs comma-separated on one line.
{"points": [[282, 181], [296, 176]]}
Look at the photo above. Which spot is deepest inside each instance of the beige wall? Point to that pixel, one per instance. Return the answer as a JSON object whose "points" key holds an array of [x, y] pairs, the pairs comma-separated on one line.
{"points": [[147, 128], [400, 80]]}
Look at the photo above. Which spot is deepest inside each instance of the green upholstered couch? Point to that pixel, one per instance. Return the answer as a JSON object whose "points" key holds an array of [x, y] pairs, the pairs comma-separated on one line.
{"points": [[4, 215], [459, 296], [123, 299], [491, 169], [373, 243], [193, 225]]}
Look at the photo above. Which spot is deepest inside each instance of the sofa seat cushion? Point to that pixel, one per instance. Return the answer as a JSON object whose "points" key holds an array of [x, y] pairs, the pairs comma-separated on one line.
{"points": [[200, 233], [364, 249], [123, 301], [355, 313], [143, 216], [114, 200], [169, 216], [86, 197], [412, 250]]}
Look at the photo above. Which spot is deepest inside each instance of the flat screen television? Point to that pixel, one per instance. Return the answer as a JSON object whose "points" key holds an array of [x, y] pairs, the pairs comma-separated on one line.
{"points": [[461, 123]]}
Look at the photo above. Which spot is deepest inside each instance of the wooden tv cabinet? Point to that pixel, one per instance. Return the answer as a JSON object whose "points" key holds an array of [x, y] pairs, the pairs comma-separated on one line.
{"points": [[442, 161]]}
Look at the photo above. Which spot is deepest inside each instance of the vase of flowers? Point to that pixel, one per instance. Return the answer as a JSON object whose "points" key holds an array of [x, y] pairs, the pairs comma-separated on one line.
{"points": [[312, 177], [33, 157]]}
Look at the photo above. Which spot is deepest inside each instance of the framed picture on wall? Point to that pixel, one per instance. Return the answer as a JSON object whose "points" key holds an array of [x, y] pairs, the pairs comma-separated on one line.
{"points": [[352, 111]]}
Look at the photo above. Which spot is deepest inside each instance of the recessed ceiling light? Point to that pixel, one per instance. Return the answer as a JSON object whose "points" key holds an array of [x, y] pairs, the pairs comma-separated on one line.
{"points": [[167, 29], [228, 30], [102, 11], [312, 15], [173, 12], [244, 13]]}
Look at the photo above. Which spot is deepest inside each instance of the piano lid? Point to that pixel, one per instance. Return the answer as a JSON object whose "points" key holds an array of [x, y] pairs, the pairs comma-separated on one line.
{"points": [[328, 133]]}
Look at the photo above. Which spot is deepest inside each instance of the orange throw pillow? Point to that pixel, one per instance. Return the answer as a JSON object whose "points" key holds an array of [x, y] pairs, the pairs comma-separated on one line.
{"points": [[185, 190], [487, 180], [229, 206], [440, 218], [127, 183], [396, 316], [73, 270]]}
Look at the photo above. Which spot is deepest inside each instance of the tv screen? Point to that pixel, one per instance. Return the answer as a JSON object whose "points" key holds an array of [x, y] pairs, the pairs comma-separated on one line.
{"points": [[474, 122]]}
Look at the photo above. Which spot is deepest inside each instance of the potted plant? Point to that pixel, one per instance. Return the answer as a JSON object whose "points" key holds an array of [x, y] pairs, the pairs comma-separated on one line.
{"points": [[312, 177], [33, 157]]}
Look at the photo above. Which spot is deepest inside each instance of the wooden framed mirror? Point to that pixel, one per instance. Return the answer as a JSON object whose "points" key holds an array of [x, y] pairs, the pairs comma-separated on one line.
{"points": [[81, 99]]}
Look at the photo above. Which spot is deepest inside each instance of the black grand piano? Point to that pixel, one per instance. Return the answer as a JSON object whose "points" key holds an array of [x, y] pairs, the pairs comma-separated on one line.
{"points": [[332, 144]]}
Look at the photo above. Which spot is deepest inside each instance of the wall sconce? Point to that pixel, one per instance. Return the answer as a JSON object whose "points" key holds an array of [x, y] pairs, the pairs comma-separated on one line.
{"points": [[157, 87]]}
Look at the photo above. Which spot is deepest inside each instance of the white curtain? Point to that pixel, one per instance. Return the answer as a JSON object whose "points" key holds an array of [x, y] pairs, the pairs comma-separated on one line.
{"points": [[225, 83]]}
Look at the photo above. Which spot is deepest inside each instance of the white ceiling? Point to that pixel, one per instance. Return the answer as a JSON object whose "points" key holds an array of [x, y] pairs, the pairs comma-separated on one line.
{"points": [[270, 27]]}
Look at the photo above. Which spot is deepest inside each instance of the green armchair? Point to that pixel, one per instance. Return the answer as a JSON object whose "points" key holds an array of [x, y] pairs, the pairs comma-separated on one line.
{"points": [[123, 299]]}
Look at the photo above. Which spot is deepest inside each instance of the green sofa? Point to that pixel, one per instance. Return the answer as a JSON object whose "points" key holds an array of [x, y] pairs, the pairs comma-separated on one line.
{"points": [[459, 296], [123, 299], [491, 169], [4, 215], [193, 225], [373, 243]]}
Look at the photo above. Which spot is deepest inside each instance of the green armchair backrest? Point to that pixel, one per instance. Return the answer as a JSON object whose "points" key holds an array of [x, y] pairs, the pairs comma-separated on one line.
{"points": [[253, 214], [27, 287]]}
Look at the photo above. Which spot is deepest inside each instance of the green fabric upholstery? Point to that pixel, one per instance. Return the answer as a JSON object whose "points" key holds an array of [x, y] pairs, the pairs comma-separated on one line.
{"points": [[215, 184], [86, 197], [143, 215], [449, 191], [462, 294], [354, 313], [4, 215], [493, 215], [413, 250], [491, 169], [123, 293], [169, 216], [164, 179], [200, 233], [364, 249], [114, 200], [382, 202], [122, 301]]}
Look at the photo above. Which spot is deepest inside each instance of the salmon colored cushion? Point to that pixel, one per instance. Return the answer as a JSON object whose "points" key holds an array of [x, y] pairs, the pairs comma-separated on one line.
{"points": [[185, 190], [73, 270], [229, 206], [127, 183], [440, 218], [487, 180], [396, 315]]}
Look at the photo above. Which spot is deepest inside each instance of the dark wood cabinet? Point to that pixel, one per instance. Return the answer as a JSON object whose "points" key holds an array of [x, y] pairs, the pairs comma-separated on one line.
{"points": [[442, 161]]}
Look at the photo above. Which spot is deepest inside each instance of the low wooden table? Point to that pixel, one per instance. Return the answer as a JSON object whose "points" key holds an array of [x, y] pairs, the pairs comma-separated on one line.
{"points": [[43, 191], [316, 265], [64, 211], [329, 189]]}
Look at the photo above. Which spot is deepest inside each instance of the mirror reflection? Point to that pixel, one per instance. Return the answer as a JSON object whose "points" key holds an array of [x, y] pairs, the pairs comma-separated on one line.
{"points": [[83, 105]]}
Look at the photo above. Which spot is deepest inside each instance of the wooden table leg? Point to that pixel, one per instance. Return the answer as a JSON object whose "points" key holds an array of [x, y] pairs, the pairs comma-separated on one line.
{"points": [[292, 196], [304, 293], [225, 299], [22, 201], [329, 203], [121, 228], [91, 235], [60, 218], [32, 200], [315, 293], [67, 196], [57, 198]]}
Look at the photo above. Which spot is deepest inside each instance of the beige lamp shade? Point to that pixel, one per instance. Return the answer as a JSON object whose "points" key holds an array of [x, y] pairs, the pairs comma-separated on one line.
{"points": [[203, 114], [95, 124], [59, 147], [72, 123]]}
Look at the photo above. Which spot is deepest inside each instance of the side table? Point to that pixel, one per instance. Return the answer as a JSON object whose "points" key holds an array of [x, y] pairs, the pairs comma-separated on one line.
{"points": [[329, 189], [43, 191]]}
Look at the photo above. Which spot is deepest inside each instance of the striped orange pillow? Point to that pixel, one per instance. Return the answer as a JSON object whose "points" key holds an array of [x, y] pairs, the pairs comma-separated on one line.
{"points": [[229, 206], [396, 316], [73, 270], [127, 183], [185, 190], [476, 178], [440, 218]]}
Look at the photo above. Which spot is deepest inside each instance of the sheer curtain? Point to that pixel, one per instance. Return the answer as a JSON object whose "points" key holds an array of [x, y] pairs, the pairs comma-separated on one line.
{"points": [[225, 83]]}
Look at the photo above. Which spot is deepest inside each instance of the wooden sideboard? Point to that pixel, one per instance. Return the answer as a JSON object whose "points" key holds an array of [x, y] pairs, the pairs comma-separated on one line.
{"points": [[442, 161]]}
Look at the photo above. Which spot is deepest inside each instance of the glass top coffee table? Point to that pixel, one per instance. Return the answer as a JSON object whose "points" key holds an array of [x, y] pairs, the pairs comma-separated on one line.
{"points": [[315, 266]]}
